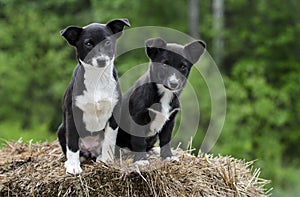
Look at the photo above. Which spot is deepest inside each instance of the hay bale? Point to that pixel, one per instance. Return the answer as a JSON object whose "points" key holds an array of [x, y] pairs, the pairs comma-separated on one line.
{"points": [[38, 170]]}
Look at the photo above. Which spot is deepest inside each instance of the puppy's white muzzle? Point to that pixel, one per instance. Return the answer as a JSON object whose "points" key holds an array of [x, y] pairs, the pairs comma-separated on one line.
{"points": [[101, 61], [173, 82]]}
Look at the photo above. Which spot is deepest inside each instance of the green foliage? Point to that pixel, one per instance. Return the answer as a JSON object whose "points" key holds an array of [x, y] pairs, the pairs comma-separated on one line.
{"points": [[261, 72], [13, 132], [262, 68], [256, 115], [36, 64]]}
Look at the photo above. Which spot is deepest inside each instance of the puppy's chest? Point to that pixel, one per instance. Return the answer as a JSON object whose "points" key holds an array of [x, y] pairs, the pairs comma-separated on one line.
{"points": [[162, 113], [98, 99]]}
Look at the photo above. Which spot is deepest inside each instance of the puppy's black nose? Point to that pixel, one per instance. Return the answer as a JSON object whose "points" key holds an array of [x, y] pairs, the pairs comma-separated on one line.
{"points": [[101, 62]]}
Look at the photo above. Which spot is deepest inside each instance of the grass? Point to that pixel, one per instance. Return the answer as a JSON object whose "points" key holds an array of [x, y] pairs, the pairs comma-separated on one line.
{"points": [[289, 185], [13, 132]]}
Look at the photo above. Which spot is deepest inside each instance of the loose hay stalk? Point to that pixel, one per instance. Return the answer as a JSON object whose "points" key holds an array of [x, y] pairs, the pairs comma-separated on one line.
{"points": [[37, 170]]}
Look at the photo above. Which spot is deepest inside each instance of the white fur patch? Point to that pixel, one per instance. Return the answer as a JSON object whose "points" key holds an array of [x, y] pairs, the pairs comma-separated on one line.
{"points": [[99, 98], [142, 162], [109, 142], [161, 116], [172, 159], [72, 164]]}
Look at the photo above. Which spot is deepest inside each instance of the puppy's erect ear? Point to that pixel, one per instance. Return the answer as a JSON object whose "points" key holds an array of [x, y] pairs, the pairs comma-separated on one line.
{"points": [[154, 46], [117, 25], [71, 34], [194, 50]]}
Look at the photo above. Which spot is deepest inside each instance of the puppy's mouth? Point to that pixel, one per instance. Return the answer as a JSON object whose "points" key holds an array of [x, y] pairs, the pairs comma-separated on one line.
{"points": [[172, 89], [99, 62], [172, 84]]}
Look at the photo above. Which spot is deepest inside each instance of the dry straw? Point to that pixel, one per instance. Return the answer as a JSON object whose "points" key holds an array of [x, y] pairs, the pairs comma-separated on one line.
{"points": [[38, 170]]}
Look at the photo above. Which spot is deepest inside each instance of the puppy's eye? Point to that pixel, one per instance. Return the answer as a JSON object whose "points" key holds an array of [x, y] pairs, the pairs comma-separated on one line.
{"points": [[183, 67], [89, 44], [165, 66], [165, 63]]}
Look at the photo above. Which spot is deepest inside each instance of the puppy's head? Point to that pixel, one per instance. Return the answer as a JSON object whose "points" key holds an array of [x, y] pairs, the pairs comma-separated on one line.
{"points": [[171, 63], [95, 43]]}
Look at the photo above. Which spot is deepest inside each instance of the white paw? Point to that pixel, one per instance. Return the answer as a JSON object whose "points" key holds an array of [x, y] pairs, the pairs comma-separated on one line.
{"points": [[98, 159], [172, 159], [142, 162], [72, 168], [72, 164], [103, 158]]}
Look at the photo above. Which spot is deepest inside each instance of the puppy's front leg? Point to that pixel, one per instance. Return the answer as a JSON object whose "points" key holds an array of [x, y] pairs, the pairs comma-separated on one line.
{"points": [[164, 139], [139, 147], [72, 164], [109, 142]]}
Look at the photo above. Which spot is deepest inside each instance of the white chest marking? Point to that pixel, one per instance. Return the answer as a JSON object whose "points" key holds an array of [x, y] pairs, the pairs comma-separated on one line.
{"points": [[161, 117], [98, 100]]}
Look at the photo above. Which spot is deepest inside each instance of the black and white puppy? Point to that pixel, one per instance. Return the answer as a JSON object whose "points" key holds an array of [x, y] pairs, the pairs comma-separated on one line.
{"points": [[150, 106], [88, 129]]}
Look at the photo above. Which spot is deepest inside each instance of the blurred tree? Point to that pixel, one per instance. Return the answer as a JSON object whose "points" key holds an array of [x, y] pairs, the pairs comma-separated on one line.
{"points": [[261, 64], [193, 11], [34, 75], [218, 29]]}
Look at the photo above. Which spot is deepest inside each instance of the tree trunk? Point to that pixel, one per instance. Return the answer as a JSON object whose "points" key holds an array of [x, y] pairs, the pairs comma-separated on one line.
{"points": [[218, 29], [193, 11]]}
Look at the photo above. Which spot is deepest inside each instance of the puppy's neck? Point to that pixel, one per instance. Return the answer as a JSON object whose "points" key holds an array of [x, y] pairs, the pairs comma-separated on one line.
{"points": [[97, 76]]}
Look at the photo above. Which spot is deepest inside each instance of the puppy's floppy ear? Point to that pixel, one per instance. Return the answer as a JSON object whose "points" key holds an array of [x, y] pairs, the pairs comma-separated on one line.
{"points": [[154, 46], [117, 25], [71, 34], [194, 50]]}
